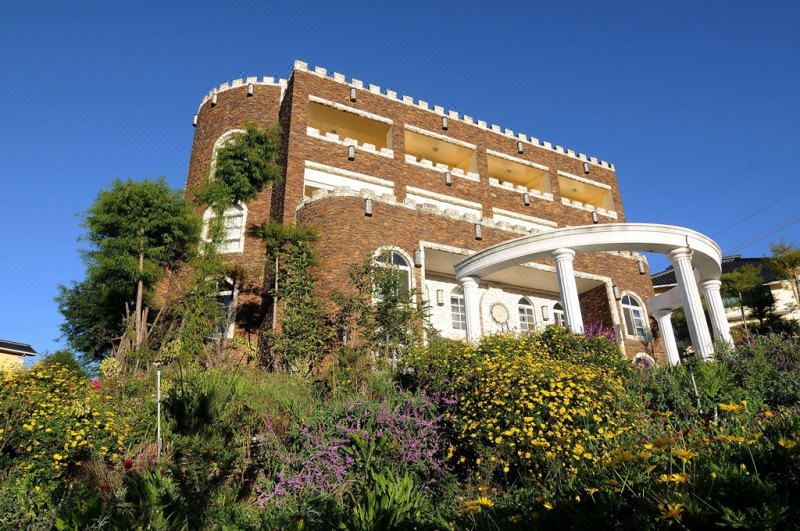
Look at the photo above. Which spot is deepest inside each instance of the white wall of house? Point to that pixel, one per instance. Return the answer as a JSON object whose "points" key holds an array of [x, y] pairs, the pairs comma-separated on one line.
{"points": [[490, 294]]}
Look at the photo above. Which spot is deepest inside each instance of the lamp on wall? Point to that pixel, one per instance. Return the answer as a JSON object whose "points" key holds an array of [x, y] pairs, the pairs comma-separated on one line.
{"points": [[448, 178], [213, 99], [526, 199], [417, 258], [595, 217], [545, 313], [250, 89], [444, 123], [368, 207], [615, 291], [478, 233], [585, 167], [520, 147], [353, 94], [194, 121], [440, 297], [351, 152], [640, 265]]}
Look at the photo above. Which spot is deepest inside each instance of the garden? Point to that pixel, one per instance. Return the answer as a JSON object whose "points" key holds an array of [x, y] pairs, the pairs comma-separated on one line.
{"points": [[517, 432]]}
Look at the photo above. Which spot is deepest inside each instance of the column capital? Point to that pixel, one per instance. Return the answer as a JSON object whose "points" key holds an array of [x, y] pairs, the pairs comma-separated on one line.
{"points": [[713, 284], [469, 281], [679, 254], [563, 254], [660, 314]]}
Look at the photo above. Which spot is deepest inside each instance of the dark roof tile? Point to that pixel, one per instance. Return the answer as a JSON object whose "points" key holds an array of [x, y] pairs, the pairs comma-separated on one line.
{"points": [[18, 348], [729, 265]]}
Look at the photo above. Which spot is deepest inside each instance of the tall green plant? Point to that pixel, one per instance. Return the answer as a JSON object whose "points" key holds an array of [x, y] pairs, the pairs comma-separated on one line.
{"points": [[135, 230]]}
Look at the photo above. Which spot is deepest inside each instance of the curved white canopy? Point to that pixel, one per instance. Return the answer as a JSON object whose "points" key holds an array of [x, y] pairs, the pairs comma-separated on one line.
{"points": [[646, 237]]}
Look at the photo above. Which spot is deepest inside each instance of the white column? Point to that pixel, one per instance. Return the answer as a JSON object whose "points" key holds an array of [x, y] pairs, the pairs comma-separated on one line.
{"points": [[716, 310], [681, 259], [471, 307], [664, 319], [569, 291]]}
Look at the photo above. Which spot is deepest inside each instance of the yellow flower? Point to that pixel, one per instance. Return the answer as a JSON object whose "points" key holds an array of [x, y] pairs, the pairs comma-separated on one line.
{"points": [[685, 455], [671, 511], [786, 443], [590, 490], [58, 457], [549, 506], [732, 408], [484, 501]]}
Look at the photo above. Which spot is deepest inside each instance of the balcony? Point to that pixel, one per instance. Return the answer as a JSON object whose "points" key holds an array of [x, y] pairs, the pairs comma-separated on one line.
{"points": [[518, 174], [345, 125], [441, 153], [586, 194]]}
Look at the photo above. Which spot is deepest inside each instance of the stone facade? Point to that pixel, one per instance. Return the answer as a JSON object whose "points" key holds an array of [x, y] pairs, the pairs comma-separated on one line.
{"points": [[348, 236]]}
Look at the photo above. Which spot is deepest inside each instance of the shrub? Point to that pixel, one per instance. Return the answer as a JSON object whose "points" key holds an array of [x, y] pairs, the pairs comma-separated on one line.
{"points": [[56, 420], [522, 403]]}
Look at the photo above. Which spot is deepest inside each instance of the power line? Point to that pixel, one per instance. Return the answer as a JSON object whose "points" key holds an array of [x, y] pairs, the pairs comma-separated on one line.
{"points": [[766, 234], [757, 212]]}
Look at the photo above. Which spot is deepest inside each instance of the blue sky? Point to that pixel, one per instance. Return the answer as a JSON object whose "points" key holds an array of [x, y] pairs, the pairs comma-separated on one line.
{"points": [[695, 102]]}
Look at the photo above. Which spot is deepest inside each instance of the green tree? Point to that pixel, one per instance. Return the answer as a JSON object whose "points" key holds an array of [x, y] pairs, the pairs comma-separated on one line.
{"points": [[747, 285], [786, 261], [135, 231]]}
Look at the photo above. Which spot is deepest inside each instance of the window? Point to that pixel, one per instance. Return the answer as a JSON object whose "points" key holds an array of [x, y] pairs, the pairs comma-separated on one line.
{"points": [[392, 259], [226, 298], [634, 317], [527, 321], [458, 313], [221, 142], [558, 314], [233, 228]]}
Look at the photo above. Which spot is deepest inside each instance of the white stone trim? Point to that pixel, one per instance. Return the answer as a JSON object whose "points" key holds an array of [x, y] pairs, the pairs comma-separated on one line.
{"points": [[589, 208], [517, 160], [334, 138], [442, 168], [420, 196], [438, 136], [243, 82], [352, 110], [453, 115], [534, 192], [583, 180], [349, 174], [529, 223]]}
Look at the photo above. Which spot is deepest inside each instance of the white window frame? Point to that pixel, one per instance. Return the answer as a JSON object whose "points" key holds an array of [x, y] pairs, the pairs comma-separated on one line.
{"points": [[558, 314], [223, 139], [209, 214], [643, 316], [458, 309], [527, 309], [408, 268]]}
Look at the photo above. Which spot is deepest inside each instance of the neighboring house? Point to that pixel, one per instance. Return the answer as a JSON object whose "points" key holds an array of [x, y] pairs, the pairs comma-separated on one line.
{"points": [[12, 354], [783, 292]]}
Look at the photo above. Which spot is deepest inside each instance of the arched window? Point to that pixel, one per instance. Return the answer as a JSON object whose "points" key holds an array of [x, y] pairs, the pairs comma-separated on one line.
{"points": [[633, 314], [391, 258], [458, 313], [235, 217], [558, 314], [527, 320], [220, 143]]}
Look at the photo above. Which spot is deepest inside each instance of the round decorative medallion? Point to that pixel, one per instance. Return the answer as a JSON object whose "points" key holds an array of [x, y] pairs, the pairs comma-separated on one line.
{"points": [[499, 313]]}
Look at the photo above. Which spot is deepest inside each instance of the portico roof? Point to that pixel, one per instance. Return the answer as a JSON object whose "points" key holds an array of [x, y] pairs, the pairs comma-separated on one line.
{"points": [[647, 237]]}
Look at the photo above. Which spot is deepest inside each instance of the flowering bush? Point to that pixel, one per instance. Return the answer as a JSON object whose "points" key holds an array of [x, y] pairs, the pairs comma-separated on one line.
{"points": [[54, 420], [344, 444], [521, 404]]}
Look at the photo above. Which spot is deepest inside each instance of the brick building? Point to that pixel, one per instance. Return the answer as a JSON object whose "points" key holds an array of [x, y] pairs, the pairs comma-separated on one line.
{"points": [[373, 171]]}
